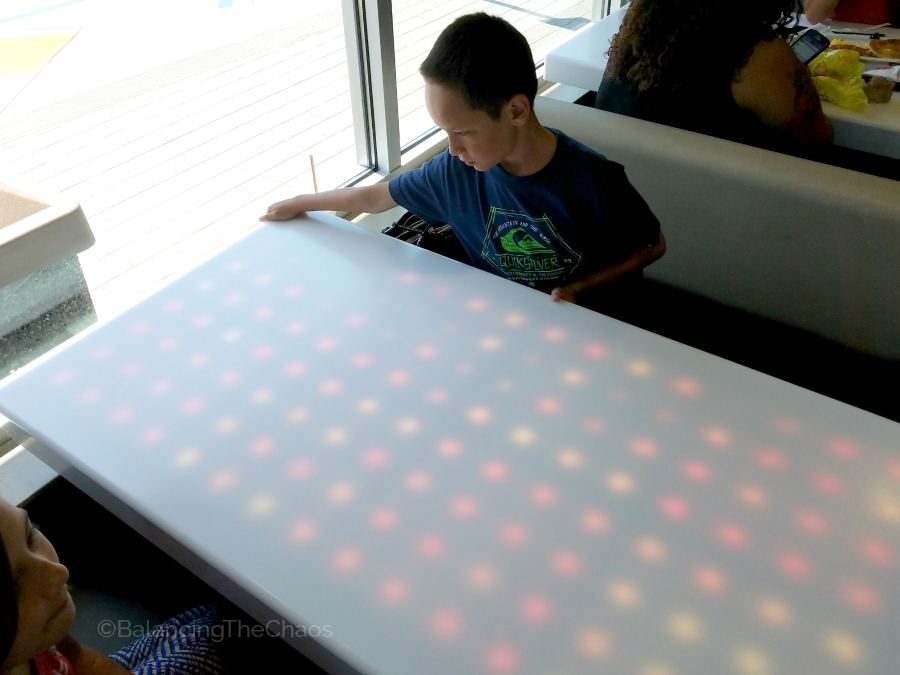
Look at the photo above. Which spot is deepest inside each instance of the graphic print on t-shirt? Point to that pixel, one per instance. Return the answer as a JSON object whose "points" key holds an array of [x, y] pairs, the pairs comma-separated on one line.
{"points": [[527, 250]]}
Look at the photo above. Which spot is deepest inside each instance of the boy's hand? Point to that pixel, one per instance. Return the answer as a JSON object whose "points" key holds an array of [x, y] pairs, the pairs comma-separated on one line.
{"points": [[563, 293], [284, 210]]}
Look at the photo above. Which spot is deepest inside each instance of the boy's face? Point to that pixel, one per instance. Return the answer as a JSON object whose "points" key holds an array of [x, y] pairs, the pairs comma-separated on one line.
{"points": [[475, 137], [45, 607]]}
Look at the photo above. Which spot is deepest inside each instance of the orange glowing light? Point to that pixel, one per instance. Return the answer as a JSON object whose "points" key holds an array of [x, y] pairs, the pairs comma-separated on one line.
{"points": [[566, 563], [383, 519], [685, 627], [303, 531], [543, 495], [490, 343], [522, 436], [625, 594], [787, 426], [619, 482], [569, 459], [335, 436], [751, 495], [594, 643], [346, 560], [717, 437], [639, 368], [554, 334], [650, 550], [514, 319], [751, 661], [481, 577], [407, 426], [774, 612], [644, 447], [367, 406], [476, 305], [514, 534], [479, 415], [843, 647], [709, 579], [535, 609], [573, 377], [594, 521], [686, 387]]}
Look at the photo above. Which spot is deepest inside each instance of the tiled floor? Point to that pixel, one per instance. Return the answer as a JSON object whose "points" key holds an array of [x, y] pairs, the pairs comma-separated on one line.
{"points": [[176, 172]]}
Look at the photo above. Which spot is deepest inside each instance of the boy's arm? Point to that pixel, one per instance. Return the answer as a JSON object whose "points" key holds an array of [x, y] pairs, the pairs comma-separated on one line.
{"points": [[636, 261], [88, 661], [370, 199]]}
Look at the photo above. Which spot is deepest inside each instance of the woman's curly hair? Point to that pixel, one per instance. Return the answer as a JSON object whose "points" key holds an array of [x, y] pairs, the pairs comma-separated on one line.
{"points": [[662, 44]]}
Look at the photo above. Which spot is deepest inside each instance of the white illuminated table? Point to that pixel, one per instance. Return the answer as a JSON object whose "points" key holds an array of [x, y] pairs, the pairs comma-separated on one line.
{"points": [[452, 475]]}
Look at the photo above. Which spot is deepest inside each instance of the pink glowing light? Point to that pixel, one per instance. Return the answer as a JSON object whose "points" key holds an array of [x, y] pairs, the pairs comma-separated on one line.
{"points": [[121, 415], [733, 536], [514, 534], [326, 344], [375, 458], [430, 547], [644, 447], [130, 369], [330, 387], [549, 406], [202, 320], [674, 508], [594, 521], [229, 377], [153, 436], [595, 350], [828, 483], [383, 519], [102, 352], [161, 387], [450, 447], [174, 306], [356, 320], [566, 563], [709, 579], [223, 480], [502, 660], [197, 360], [665, 416], [263, 313], [787, 426], [263, 352], [139, 328], [167, 344], [464, 507], [300, 468], [295, 369], [442, 291], [844, 448], [303, 531], [554, 334], [686, 387], [794, 565], [426, 351], [811, 522], [394, 591], [445, 624], [876, 551], [861, 597], [696, 471], [894, 469], [193, 405], [91, 396], [594, 426], [595, 643], [262, 446], [398, 378], [234, 299], [409, 277], [543, 495], [346, 560], [535, 609], [294, 327], [476, 305], [770, 459], [361, 360], [297, 415]]}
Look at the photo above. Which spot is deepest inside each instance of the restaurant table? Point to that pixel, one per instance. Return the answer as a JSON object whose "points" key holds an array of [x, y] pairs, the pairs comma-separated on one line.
{"points": [[581, 61], [432, 470]]}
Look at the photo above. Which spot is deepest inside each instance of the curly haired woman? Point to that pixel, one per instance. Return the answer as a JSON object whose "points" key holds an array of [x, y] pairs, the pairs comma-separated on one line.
{"points": [[717, 67]]}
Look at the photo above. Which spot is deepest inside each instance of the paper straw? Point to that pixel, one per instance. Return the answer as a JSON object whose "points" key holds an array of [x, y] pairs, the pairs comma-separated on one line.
{"points": [[312, 165]]}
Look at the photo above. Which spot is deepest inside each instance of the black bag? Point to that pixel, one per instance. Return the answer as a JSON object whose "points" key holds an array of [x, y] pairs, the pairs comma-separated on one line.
{"points": [[438, 238]]}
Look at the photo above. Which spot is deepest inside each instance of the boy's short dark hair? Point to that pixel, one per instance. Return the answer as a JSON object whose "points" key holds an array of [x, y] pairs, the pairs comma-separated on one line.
{"points": [[485, 59]]}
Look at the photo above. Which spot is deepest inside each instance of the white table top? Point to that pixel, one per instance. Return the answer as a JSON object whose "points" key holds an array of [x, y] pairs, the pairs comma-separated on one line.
{"points": [[581, 61], [455, 475]]}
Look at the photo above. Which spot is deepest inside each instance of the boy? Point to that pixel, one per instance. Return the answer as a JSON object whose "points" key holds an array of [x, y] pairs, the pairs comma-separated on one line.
{"points": [[526, 202]]}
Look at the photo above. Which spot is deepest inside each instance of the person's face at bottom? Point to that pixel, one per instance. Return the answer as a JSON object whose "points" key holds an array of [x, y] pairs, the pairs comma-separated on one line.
{"points": [[475, 137], [46, 611]]}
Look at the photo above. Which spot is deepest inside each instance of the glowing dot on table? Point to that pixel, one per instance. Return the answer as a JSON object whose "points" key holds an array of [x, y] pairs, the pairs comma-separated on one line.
{"points": [[341, 493], [639, 368], [828, 483], [644, 447], [330, 387], [811, 522], [394, 591], [569, 459], [894, 469], [502, 660], [732, 535], [335, 436], [294, 327], [594, 521], [696, 471], [717, 437], [263, 352], [229, 377], [361, 360], [554, 334], [665, 415], [430, 546], [770, 459], [685, 627], [167, 344], [375, 458], [297, 415], [326, 344], [595, 350], [121, 415], [751, 661], [481, 576], [494, 471], [620, 483], [407, 426], [127, 370], [437, 396], [476, 305], [860, 597], [751, 495], [300, 468], [841, 447], [709, 579], [442, 291], [774, 612], [450, 447], [262, 505], [367, 406], [674, 508], [543, 495], [535, 609], [161, 387], [295, 369], [426, 351], [91, 395], [398, 378], [522, 436], [549, 406], [514, 319], [445, 624], [409, 277], [886, 507], [479, 415], [650, 549], [513, 534], [464, 507], [595, 426], [876, 551], [226, 425], [566, 563], [490, 344], [418, 482], [231, 336], [794, 565], [383, 519], [625, 594], [187, 457], [573, 377], [843, 647], [346, 560], [223, 480], [262, 446], [153, 436], [686, 387]]}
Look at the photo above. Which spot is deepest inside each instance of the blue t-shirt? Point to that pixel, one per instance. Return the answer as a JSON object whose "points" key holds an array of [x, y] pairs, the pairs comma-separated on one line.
{"points": [[576, 215]]}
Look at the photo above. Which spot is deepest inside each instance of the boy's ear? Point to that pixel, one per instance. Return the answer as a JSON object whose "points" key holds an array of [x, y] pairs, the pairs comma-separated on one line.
{"points": [[519, 109]]}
